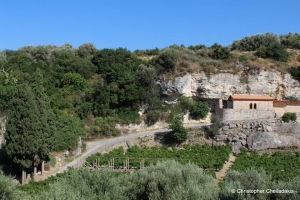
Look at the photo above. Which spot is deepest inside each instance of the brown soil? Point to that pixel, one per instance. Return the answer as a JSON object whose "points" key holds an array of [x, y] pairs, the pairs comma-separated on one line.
{"points": [[221, 174]]}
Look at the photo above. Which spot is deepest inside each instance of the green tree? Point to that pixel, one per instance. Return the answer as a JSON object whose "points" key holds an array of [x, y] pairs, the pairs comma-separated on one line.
{"points": [[179, 133], [219, 52], [152, 117], [170, 180], [252, 43], [214, 128], [86, 50], [185, 103], [46, 116], [74, 80], [277, 52], [68, 132], [200, 109], [290, 40], [23, 139], [146, 77], [252, 179], [167, 59]]}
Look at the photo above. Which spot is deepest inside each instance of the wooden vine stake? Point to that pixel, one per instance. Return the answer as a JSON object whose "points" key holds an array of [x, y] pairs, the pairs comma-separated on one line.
{"points": [[126, 164], [142, 164], [111, 163]]}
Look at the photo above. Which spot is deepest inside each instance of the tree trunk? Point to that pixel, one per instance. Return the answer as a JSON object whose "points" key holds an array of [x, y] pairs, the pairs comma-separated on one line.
{"points": [[34, 172], [42, 170], [23, 176]]}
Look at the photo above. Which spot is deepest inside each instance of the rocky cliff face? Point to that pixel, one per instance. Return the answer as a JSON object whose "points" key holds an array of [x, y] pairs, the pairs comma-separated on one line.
{"points": [[221, 85]]}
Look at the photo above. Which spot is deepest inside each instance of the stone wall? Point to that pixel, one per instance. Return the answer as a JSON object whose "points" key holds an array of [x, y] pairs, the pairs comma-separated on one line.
{"points": [[260, 105], [245, 114], [282, 107], [260, 134]]}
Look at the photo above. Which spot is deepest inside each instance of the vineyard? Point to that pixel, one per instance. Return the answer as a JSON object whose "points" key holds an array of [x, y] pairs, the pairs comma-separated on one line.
{"points": [[281, 166], [205, 156]]}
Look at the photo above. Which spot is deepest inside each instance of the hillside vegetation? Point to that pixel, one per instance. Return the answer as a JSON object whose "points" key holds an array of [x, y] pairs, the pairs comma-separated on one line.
{"points": [[84, 92]]}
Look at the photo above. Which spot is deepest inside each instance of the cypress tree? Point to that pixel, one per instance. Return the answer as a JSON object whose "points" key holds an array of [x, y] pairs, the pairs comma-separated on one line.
{"points": [[22, 128], [46, 116]]}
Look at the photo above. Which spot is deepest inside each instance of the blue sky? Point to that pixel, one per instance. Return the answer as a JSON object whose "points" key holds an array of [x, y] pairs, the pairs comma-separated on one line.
{"points": [[141, 24]]}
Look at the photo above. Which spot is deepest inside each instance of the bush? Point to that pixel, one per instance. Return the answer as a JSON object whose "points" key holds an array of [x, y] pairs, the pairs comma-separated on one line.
{"points": [[8, 190], [170, 180], [295, 72], [287, 117], [252, 43], [292, 98], [262, 52], [167, 59], [152, 117], [277, 52], [179, 133], [214, 129], [219, 52], [291, 40], [200, 109], [185, 103], [105, 127], [243, 58], [68, 132]]}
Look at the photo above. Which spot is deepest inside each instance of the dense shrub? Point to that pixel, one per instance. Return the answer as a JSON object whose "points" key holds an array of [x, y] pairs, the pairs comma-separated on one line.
{"points": [[152, 117], [105, 127], [214, 128], [68, 131], [295, 72], [75, 80], [219, 52], [185, 103], [8, 189], [287, 117], [199, 109], [170, 180], [292, 98], [179, 133], [167, 59], [166, 180], [277, 52], [243, 58]]}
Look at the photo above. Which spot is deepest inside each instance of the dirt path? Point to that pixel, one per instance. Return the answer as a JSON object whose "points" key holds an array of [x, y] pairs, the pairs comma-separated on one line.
{"points": [[221, 174]]}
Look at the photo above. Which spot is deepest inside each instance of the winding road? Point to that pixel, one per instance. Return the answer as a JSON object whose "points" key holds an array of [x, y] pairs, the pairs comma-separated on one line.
{"points": [[103, 144]]}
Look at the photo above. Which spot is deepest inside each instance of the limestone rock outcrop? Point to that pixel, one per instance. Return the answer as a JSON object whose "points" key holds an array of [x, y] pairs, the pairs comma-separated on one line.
{"points": [[270, 140], [221, 85]]}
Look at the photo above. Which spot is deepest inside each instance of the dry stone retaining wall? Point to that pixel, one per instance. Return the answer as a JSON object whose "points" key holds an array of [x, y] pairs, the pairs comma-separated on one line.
{"points": [[260, 134]]}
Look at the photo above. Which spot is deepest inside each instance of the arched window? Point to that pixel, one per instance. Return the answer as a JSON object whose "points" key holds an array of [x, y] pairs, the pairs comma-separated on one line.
{"points": [[250, 105], [255, 106]]}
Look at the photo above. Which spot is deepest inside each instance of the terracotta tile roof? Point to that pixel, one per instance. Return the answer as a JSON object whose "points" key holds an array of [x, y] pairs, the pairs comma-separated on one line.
{"points": [[251, 97]]}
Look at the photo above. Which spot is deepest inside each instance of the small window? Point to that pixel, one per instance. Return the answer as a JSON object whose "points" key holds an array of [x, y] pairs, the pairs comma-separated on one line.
{"points": [[250, 105], [255, 106]]}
